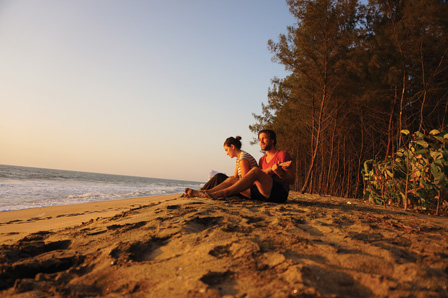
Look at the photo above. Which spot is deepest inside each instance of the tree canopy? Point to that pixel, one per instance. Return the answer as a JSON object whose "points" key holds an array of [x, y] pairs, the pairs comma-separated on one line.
{"points": [[357, 76]]}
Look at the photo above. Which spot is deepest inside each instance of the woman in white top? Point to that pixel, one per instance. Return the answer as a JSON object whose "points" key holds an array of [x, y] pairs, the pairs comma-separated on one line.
{"points": [[244, 162]]}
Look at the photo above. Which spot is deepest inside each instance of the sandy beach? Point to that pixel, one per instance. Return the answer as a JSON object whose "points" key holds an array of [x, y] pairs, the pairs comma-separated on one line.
{"points": [[168, 246]]}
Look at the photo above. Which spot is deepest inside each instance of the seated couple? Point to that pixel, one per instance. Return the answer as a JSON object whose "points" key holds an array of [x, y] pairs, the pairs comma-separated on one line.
{"points": [[269, 181]]}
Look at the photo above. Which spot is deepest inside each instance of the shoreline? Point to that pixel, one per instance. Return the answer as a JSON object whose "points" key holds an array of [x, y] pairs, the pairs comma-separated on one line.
{"points": [[191, 247], [70, 203], [16, 224]]}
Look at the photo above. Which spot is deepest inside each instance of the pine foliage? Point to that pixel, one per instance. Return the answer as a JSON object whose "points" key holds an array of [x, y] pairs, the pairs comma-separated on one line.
{"points": [[358, 75]]}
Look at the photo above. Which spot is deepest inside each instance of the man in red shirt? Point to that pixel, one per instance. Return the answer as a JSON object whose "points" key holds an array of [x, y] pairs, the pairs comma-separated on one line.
{"points": [[270, 181]]}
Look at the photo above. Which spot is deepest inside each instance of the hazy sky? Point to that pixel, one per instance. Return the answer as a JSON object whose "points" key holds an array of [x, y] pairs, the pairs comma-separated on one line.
{"points": [[144, 88]]}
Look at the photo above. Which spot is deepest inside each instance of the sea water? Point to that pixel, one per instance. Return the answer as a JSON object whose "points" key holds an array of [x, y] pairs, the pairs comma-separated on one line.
{"points": [[25, 187]]}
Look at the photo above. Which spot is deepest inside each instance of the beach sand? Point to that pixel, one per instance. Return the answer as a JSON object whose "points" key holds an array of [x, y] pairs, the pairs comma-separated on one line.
{"points": [[168, 246]]}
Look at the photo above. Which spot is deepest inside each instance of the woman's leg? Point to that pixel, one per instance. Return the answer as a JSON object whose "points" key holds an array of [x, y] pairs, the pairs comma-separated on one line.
{"points": [[197, 193], [228, 182], [214, 181], [262, 180]]}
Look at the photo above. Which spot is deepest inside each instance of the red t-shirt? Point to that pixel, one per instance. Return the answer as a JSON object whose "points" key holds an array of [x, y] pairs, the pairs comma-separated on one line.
{"points": [[279, 157]]}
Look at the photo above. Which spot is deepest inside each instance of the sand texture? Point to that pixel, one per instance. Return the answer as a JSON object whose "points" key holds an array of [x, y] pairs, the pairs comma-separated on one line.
{"points": [[168, 246]]}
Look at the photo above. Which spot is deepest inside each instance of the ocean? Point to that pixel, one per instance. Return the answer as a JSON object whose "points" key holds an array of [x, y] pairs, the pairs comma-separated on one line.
{"points": [[25, 187]]}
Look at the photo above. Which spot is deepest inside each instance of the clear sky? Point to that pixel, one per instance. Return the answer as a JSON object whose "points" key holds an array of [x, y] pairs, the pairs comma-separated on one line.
{"points": [[144, 88]]}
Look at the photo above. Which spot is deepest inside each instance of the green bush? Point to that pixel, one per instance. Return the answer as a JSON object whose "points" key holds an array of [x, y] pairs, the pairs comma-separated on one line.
{"points": [[416, 175]]}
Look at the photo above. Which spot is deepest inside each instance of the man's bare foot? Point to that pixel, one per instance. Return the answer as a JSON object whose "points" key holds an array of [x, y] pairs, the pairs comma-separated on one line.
{"points": [[214, 195]]}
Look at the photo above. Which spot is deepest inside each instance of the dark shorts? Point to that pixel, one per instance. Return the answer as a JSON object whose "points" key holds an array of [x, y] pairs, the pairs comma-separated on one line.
{"points": [[278, 194]]}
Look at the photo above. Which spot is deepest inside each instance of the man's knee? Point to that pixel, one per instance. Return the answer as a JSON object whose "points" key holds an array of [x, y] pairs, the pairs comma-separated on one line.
{"points": [[232, 179], [255, 170]]}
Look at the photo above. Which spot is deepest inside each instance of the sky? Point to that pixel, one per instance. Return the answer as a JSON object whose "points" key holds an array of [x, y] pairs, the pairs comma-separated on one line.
{"points": [[142, 88]]}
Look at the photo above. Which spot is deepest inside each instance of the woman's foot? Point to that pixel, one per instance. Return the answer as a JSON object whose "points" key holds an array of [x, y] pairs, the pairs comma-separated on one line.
{"points": [[190, 193], [185, 194]]}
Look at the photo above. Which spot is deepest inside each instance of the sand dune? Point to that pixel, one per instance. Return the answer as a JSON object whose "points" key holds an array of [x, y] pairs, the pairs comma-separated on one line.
{"points": [[168, 246]]}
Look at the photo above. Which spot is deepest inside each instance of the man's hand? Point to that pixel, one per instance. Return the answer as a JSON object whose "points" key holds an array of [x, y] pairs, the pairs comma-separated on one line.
{"points": [[275, 167], [283, 173], [278, 169]]}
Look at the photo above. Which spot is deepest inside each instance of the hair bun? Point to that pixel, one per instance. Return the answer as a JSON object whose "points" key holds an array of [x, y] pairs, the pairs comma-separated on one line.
{"points": [[233, 141]]}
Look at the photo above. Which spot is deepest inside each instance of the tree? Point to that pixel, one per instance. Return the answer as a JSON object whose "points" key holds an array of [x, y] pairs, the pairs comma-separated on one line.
{"points": [[358, 76], [314, 51]]}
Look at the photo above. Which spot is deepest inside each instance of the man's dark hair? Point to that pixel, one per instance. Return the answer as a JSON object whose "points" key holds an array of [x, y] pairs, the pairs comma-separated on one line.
{"points": [[270, 133]]}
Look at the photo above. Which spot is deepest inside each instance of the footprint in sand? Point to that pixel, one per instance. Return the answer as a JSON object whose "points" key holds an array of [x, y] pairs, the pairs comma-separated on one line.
{"points": [[20, 266], [126, 227], [223, 282], [25, 277], [26, 248], [173, 207], [236, 249], [199, 224], [251, 219], [139, 251], [36, 236], [220, 251], [332, 282]]}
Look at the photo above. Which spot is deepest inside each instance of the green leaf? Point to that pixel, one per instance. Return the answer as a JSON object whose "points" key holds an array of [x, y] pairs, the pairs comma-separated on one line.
{"points": [[439, 176], [389, 173], [405, 132], [421, 152], [422, 143], [418, 135], [434, 132], [436, 155]]}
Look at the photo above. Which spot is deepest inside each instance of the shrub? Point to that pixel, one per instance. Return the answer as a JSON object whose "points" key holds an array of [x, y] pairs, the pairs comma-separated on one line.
{"points": [[416, 174]]}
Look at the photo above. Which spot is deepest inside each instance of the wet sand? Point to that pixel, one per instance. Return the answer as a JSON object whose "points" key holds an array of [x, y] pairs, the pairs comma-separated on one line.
{"points": [[168, 246]]}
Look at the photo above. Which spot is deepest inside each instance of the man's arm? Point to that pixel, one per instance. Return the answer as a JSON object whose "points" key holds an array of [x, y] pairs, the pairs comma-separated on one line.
{"points": [[286, 174]]}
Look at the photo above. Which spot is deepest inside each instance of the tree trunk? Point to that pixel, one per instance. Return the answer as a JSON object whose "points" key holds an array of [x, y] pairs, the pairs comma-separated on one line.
{"points": [[317, 141]]}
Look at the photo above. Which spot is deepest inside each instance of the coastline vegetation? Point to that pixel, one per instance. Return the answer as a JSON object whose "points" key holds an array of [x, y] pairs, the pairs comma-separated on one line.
{"points": [[415, 175], [367, 85]]}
